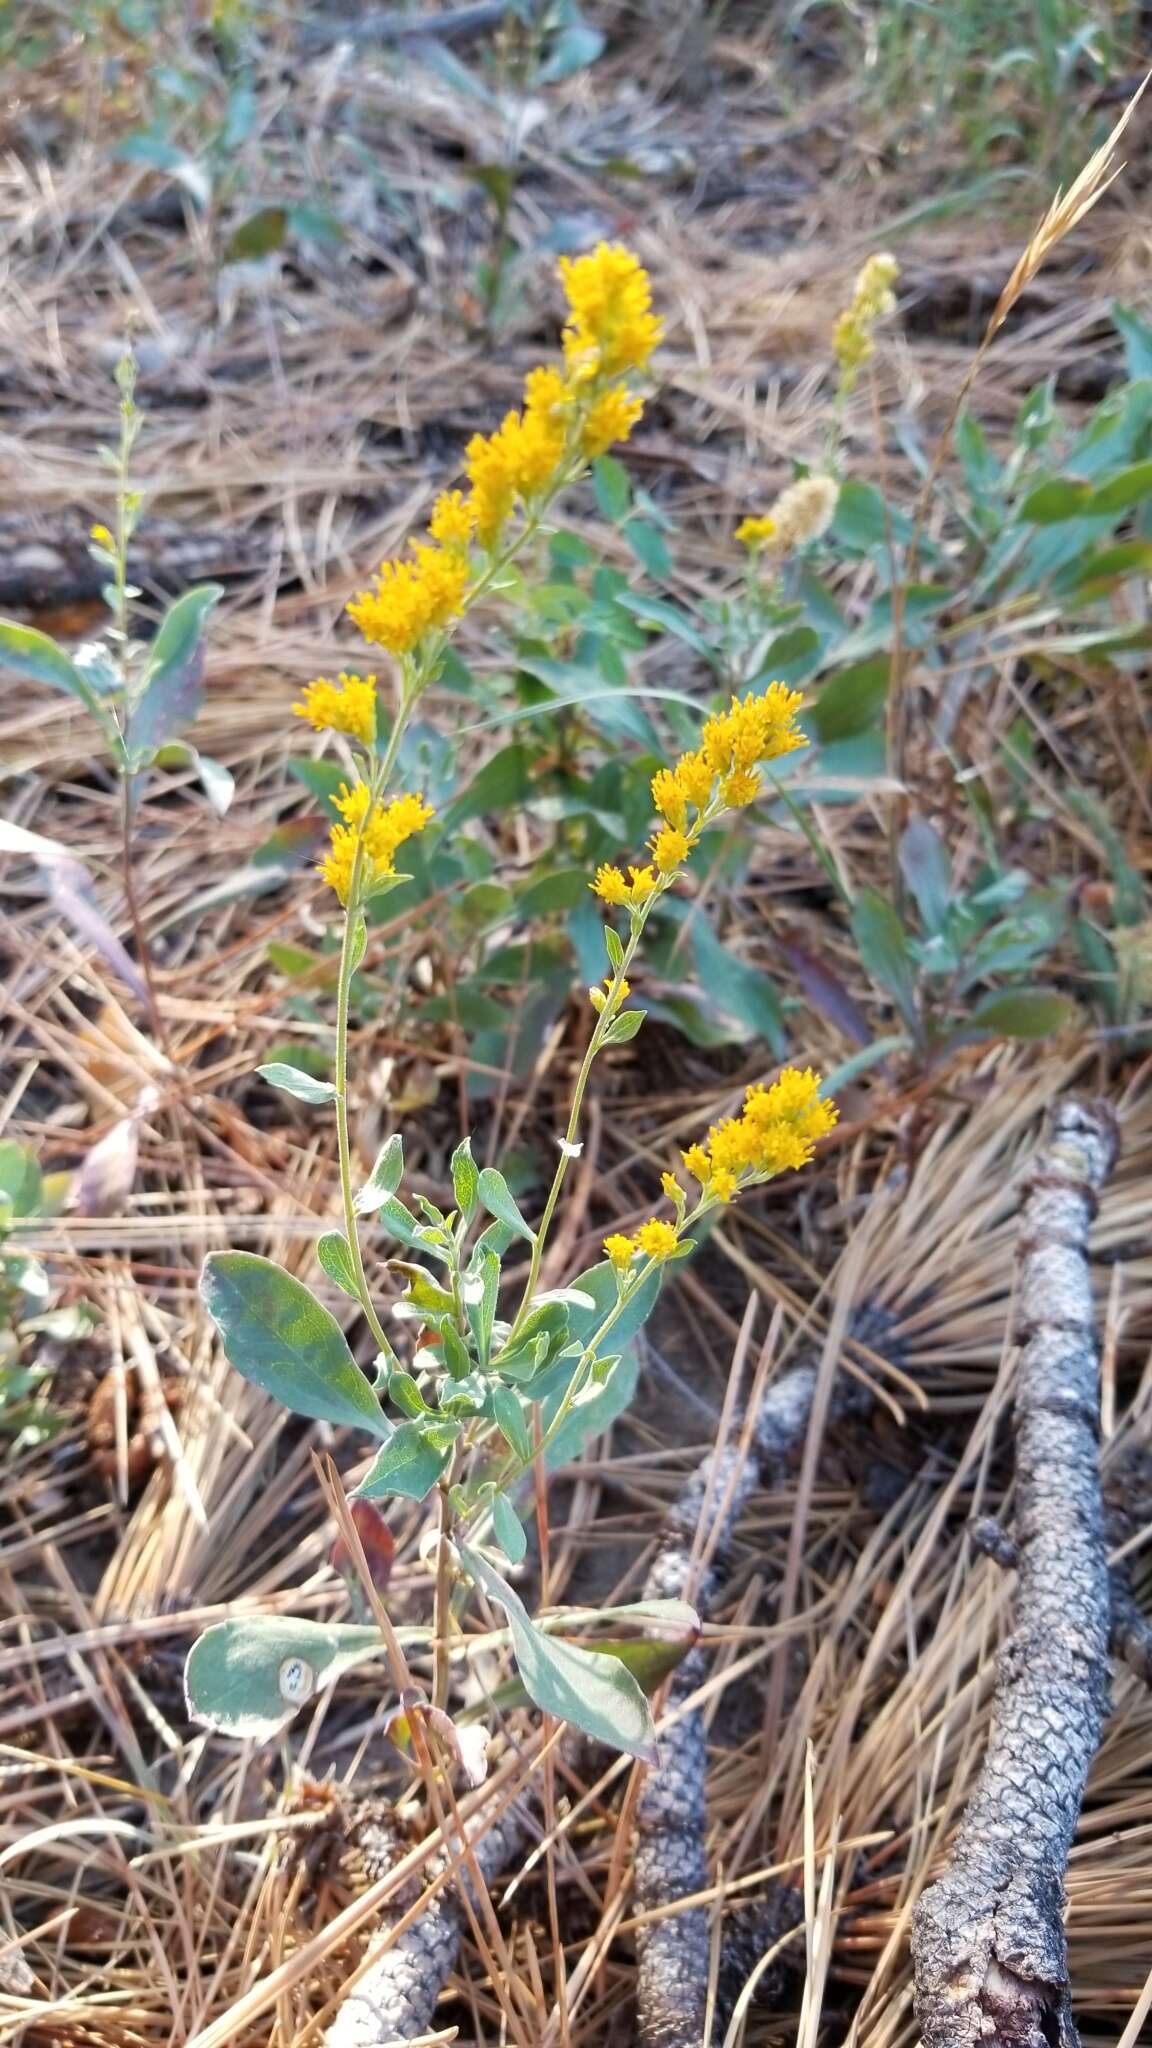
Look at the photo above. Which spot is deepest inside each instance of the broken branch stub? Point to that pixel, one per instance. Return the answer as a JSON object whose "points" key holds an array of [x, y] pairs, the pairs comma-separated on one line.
{"points": [[988, 1946]]}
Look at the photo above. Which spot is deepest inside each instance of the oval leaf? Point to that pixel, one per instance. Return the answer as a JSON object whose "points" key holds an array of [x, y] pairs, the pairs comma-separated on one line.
{"points": [[409, 1464], [594, 1693], [294, 1081], [32, 654], [508, 1529], [497, 1198], [172, 688], [335, 1256], [384, 1178], [278, 1336], [250, 1676], [1022, 1013]]}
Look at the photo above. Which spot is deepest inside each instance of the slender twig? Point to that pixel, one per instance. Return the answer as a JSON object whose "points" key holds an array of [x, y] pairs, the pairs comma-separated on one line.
{"points": [[988, 1945]]}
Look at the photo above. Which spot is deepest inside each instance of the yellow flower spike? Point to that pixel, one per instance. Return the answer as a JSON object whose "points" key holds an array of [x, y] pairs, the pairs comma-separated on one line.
{"points": [[453, 522], [656, 1239], [698, 1164], [609, 885], [348, 706], [670, 849], [668, 797], [619, 1251], [612, 327], [378, 832], [853, 337], [644, 885]]}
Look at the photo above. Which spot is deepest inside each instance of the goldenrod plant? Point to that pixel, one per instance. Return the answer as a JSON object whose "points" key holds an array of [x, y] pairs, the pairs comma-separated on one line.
{"points": [[471, 1393]]}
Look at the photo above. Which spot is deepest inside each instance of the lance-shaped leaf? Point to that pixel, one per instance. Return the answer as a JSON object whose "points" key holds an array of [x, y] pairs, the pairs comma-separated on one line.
{"points": [[278, 1336], [250, 1676], [594, 1693], [294, 1081], [173, 684], [384, 1178], [411, 1461], [29, 653], [499, 1201]]}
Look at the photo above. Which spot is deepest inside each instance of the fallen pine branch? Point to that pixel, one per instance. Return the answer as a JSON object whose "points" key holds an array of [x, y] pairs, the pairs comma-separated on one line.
{"points": [[988, 1946], [671, 1860]]}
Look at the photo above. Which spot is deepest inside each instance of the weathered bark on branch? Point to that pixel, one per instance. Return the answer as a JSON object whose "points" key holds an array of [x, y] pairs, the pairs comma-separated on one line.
{"points": [[988, 1944], [396, 1998], [671, 1860]]}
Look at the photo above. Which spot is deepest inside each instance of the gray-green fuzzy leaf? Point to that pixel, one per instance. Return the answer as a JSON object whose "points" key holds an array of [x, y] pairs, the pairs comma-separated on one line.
{"points": [[278, 1336]]}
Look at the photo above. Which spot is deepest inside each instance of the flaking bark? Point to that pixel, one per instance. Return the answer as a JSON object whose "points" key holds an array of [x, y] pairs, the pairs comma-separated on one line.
{"points": [[671, 1861], [988, 1944], [395, 2000]]}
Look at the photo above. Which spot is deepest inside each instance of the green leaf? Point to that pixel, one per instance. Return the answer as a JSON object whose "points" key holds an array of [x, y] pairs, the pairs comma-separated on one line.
{"points": [[498, 1200], [577, 45], [658, 612], [510, 1421], [862, 518], [173, 683], [481, 1289], [735, 988], [1137, 338], [384, 1178], [851, 701], [294, 1081], [594, 1693], [927, 870], [613, 487], [260, 235], [624, 1027], [250, 1676], [20, 1181], [1021, 1013], [649, 547], [1127, 487], [508, 1529], [400, 1221], [465, 1179], [409, 1464], [404, 1393], [883, 951], [501, 783], [1062, 497], [32, 654], [868, 1056], [279, 1337], [335, 1257], [457, 1357]]}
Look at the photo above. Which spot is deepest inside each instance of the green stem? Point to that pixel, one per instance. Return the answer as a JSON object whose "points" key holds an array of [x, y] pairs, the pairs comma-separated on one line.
{"points": [[343, 985], [594, 1045]]}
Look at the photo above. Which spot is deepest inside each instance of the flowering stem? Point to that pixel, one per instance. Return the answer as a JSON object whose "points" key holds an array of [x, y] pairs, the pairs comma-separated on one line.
{"points": [[567, 1147], [343, 985]]}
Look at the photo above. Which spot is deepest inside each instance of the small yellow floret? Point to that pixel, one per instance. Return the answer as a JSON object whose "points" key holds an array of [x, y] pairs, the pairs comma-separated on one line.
{"points": [[103, 537], [411, 598], [668, 797], [453, 522], [610, 885], [656, 1239], [378, 833], [698, 1163], [754, 532], [345, 706], [620, 1251], [672, 1187], [670, 849], [609, 418], [644, 885]]}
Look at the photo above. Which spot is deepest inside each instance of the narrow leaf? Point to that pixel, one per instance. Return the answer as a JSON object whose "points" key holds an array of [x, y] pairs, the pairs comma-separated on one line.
{"points": [[508, 1529], [883, 950], [498, 1199], [384, 1178], [409, 1464], [294, 1081], [594, 1693], [511, 1422], [172, 688], [465, 1179], [335, 1256]]}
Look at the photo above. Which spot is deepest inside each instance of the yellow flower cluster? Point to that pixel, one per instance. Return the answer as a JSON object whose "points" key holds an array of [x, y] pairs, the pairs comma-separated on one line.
{"points": [[412, 598], [654, 1240], [720, 775], [566, 416], [611, 326], [378, 830], [775, 1133], [801, 513], [348, 705], [853, 337]]}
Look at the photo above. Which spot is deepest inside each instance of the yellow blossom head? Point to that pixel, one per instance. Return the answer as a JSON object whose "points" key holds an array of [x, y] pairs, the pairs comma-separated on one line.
{"points": [[610, 417], [347, 706], [698, 1163], [670, 849], [644, 885], [411, 599], [609, 885], [103, 537], [755, 531], [611, 327], [657, 1239], [371, 834], [619, 1251], [453, 522], [672, 1188]]}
